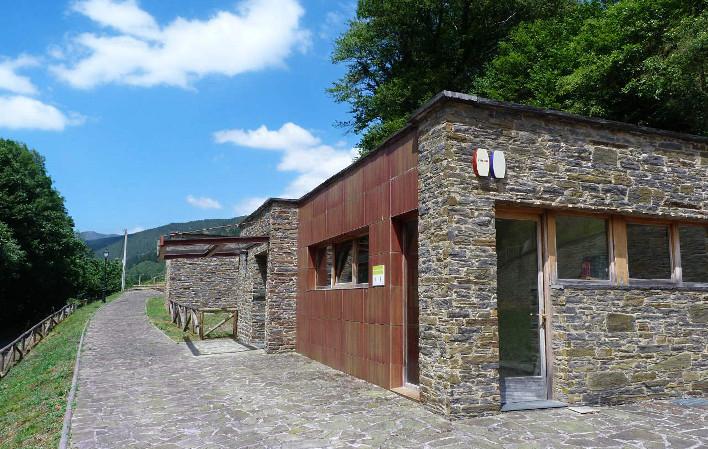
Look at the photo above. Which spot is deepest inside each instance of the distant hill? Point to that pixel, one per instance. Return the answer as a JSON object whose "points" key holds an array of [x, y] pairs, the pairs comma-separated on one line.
{"points": [[88, 236], [141, 260]]}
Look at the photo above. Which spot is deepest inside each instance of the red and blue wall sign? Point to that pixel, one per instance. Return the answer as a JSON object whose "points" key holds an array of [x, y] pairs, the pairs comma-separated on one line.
{"points": [[489, 163]]}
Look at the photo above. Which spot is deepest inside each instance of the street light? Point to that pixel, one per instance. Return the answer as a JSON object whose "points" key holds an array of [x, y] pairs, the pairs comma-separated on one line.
{"points": [[105, 273]]}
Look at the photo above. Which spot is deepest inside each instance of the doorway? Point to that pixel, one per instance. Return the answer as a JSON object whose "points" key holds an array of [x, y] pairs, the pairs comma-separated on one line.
{"points": [[411, 370], [520, 305]]}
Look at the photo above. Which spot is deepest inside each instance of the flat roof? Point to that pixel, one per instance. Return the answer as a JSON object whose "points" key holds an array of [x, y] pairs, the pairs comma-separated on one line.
{"points": [[192, 246]]}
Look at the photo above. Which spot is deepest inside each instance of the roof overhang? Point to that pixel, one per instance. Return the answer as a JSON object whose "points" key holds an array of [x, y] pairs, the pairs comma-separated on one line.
{"points": [[193, 247]]}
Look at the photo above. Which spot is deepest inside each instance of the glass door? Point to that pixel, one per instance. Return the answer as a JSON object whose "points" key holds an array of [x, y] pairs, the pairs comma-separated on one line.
{"points": [[522, 364]]}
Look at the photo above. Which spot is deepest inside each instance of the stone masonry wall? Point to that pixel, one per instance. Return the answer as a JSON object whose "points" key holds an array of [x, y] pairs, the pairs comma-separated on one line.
{"points": [[251, 325], [616, 345], [281, 284], [551, 162], [207, 282], [269, 307]]}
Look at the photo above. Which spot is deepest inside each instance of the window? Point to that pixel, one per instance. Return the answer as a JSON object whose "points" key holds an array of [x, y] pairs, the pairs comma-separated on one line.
{"points": [[582, 247], [342, 264], [693, 242], [345, 270], [323, 266], [362, 260], [648, 251]]}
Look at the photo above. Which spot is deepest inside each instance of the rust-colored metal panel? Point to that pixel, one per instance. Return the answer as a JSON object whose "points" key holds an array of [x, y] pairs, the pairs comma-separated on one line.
{"points": [[335, 221]]}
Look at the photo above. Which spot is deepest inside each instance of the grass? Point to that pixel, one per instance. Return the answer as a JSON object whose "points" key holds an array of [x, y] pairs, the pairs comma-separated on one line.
{"points": [[33, 394], [160, 317]]}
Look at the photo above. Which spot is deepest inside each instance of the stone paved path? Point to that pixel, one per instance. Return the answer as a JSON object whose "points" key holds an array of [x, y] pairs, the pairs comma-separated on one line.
{"points": [[138, 389]]}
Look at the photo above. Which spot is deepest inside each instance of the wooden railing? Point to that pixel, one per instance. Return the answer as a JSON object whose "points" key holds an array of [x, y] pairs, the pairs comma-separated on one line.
{"points": [[11, 354], [186, 316]]}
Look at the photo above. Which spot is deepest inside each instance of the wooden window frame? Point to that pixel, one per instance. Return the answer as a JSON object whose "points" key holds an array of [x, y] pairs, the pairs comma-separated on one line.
{"points": [[676, 242], [617, 246], [550, 225], [334, 284]]}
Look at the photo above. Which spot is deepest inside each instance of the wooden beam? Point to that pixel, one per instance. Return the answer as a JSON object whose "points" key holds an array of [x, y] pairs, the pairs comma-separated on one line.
{"points": [[619, 244], [213, 241]]}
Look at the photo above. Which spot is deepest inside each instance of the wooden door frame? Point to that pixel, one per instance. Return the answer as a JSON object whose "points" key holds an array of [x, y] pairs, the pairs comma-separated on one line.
{"points": [[546, 263]]}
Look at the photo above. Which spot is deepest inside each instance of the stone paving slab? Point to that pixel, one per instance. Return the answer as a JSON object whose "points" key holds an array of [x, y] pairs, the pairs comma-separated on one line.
{"points": [[138, 389]]}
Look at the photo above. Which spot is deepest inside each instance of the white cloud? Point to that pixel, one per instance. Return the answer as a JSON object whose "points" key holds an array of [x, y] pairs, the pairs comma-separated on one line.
{"points": [[302, 153], [9, 80], [21, 112], [257, 35], [203, 202], [136, 229], [248, 205]]}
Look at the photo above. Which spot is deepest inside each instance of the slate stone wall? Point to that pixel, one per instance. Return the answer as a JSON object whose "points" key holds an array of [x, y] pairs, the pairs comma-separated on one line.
{"points": [[267, 286], [551, 162], [208, 282], [616, 345]]}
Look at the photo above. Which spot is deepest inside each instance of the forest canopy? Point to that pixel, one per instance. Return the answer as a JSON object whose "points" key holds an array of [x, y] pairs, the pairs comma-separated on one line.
{"points": [[638, 61]]}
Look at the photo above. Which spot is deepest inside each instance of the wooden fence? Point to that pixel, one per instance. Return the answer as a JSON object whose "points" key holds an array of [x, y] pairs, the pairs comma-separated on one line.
{"points": [[186, 316], [11, 354]]}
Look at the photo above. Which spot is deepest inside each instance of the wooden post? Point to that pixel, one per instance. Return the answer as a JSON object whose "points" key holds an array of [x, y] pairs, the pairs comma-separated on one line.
{"points": [[201, 325]]}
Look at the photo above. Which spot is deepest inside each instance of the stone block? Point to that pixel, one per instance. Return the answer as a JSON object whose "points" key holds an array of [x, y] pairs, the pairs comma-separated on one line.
{"points": [[620, 322], [698, 313], [607, 380], [673, 363]]}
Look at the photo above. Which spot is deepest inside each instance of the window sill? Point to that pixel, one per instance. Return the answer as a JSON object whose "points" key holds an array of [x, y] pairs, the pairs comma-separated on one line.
{"points": [[645, 285], [343, 287]]}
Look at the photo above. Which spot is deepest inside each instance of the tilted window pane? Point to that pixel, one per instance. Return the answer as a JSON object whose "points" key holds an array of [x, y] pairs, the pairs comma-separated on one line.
{"points": [[323, 264], [362, 273], [582, 248], [343, 254], [648, 255], [694, 253]]}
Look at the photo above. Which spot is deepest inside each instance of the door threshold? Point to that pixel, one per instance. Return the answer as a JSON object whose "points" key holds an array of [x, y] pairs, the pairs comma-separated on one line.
{"points": [[532, 405], [408, 392]]}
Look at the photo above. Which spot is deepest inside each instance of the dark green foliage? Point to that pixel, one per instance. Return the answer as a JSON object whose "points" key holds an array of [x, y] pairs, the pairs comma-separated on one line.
{"points": [[399, 53], [638, 61], [42, 263]]}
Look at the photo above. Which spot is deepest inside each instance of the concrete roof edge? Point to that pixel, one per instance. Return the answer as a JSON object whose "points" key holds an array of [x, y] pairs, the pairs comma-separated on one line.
{"points": [[447, 95]]}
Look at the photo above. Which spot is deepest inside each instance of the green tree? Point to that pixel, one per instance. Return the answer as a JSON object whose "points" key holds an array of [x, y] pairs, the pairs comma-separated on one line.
{"points": [[399, 53], [638, 61], [38, 249]]}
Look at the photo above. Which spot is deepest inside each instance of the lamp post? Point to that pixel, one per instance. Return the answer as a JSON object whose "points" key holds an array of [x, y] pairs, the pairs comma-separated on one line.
{"points": [[105, 273]]}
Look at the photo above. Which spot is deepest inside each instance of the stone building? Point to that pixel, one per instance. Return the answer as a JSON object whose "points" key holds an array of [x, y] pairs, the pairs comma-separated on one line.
{"points": [[255, 273], [575, 273]]}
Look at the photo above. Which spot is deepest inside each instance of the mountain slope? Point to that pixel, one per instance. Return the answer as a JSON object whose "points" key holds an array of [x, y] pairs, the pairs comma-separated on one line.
{"points": [[88, 236], [141, 261]]}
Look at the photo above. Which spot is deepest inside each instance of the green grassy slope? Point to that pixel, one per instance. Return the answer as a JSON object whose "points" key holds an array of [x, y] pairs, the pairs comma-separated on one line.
{"points": [[33, 395]]}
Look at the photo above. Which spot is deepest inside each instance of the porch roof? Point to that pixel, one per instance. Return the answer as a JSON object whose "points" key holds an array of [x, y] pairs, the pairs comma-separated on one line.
{"points": [[192, 246]]}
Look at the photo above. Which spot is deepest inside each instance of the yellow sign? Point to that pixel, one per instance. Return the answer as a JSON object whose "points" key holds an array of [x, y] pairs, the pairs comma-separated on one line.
{"points": [[378, 274]]}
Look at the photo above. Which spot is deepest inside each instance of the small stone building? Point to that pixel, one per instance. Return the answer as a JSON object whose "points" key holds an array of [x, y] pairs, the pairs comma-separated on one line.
{"points": [[255, 273], [576, 272]]}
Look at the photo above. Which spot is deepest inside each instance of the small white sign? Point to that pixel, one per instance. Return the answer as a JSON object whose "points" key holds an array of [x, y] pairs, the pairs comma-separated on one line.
{"points": [[378, 275], [498, 164], [480, 162]]}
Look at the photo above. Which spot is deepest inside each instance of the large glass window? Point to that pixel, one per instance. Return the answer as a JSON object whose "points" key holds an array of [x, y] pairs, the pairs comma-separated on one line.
{"points": [[648, 251], [323, 264], [362, 260], [582, 247], [343, 255], [693, 241]]}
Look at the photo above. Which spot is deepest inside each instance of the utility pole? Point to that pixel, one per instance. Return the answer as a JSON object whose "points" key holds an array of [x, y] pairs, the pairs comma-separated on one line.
{"points": [[125, 252]]}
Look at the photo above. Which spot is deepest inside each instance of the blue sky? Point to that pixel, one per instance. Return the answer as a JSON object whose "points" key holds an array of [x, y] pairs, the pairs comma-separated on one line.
{"points": [[150, 112]]}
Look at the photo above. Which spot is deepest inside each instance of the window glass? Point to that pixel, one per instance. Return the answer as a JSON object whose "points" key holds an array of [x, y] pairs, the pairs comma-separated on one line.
{"points": [[343, 255], [323, 265], [582, 248], [694, 253], [648, 255], [362, 269]]}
